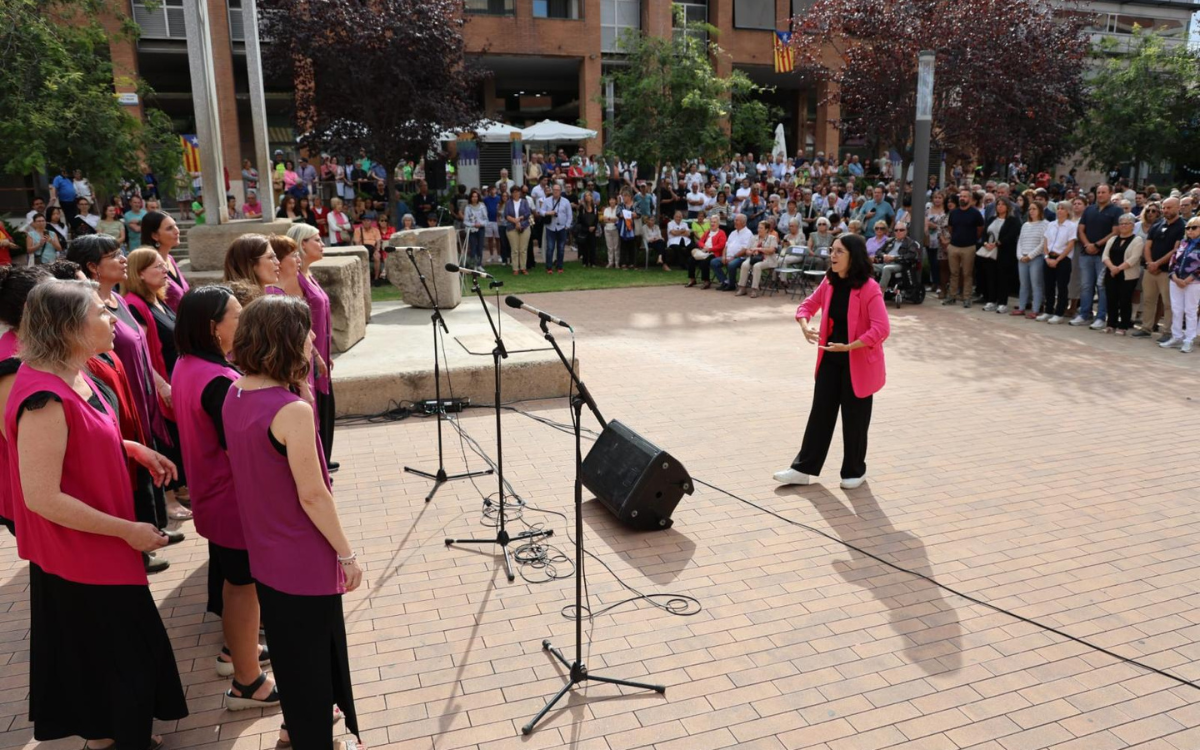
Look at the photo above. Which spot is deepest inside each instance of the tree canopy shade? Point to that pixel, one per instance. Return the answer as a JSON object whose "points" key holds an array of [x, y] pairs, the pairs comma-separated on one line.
{"points": [[387, 76], [59, 106], [1143, 105], [1008, 74], [672, 106]]}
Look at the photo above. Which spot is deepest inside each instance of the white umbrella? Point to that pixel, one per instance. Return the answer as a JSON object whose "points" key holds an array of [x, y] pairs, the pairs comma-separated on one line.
{"points": [[490, 131], [780, 147], [549, 130]]}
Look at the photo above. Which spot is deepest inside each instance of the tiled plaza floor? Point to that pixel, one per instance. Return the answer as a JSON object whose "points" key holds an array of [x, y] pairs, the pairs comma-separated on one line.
{"points": [[1049, 471]]}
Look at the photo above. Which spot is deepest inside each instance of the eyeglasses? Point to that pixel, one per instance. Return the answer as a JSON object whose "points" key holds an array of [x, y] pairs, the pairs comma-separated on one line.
{"points": [[1194, 226]]}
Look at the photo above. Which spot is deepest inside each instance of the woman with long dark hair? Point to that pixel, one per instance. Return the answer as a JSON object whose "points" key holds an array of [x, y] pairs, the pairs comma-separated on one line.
{"points": [[300, 557], [850, 367], [100, 662], [160, 232]]}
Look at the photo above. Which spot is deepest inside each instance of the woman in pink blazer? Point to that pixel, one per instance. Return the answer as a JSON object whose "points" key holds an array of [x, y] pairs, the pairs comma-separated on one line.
{"points": [[854, 324]]}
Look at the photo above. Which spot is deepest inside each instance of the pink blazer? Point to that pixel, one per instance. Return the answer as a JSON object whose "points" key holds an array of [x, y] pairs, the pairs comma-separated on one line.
{"points": [[867, 321]]}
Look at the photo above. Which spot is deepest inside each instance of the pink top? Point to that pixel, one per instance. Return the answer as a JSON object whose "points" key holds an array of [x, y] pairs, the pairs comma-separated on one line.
{"points": [[322, 325], [866, 321], [8, 349], [177, 286], [210, 477], [287, 551], [94, 473], [8, 344]]}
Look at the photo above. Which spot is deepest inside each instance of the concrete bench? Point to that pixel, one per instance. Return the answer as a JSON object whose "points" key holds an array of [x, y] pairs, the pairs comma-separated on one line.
{"points": [[208, 243], [433, 249], [342, 279]]}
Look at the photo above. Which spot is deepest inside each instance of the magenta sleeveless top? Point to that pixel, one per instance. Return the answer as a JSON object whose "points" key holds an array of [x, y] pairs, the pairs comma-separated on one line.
{"points": [[94, 472], [8, 349], [175, 289], [210, 478], [8, 344], [131, 348], [322, 325], [287, 551]]}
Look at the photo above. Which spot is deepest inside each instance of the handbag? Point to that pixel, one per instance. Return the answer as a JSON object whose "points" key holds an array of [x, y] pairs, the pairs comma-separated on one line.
{"points": [[701, 254]]}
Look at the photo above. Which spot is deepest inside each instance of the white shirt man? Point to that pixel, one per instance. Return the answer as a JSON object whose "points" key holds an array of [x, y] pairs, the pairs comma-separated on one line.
{"points": [[557, 211], [694, 178], [739, 240], [695, 200], [678, 231]]}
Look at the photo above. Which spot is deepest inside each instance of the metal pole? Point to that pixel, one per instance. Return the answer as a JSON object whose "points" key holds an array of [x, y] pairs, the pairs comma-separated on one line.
{"points": [[204, 100], [258, 109], [921, 134]]}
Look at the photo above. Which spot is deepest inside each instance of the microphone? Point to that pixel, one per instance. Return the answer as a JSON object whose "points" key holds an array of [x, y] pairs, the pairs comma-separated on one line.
{"points": [[512, 301], [451, 267]]}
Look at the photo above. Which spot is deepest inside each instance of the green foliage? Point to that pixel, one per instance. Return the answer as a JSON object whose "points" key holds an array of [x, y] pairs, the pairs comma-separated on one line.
{"points": [[672, 105], [752, 126], [56, 85], [162, 150], [1143, 104]]}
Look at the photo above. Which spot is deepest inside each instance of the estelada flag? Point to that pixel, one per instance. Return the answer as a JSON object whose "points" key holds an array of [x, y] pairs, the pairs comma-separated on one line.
{"points": [[784, 60], [191, 152]]}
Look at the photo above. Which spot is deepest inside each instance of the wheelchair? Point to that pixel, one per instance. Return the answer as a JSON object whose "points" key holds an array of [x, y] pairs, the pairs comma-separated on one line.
{"points": [[905, 285]]}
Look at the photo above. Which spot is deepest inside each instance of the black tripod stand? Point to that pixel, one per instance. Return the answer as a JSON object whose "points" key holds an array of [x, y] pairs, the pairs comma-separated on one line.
{"points": [[578, 671], [502, 536], [441, 477]]}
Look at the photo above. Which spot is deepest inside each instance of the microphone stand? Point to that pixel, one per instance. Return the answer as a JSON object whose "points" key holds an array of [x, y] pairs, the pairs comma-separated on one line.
{"points": [[502, 536], [578, 672], [441, 477]]}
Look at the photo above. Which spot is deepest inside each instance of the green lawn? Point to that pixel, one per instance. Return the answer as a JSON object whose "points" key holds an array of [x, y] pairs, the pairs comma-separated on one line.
{"points": [[573, 278]]}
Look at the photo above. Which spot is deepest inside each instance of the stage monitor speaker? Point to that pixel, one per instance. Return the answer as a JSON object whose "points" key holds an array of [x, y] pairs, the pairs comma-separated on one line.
{"points": [[636, 480], [435, 174]]}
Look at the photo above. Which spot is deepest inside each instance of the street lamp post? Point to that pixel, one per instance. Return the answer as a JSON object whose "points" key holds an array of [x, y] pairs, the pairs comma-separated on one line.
{"points": [[921, 134]]}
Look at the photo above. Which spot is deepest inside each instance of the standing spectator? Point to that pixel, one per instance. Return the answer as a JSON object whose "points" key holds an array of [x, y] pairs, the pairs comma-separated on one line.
{"points": [[518, 217], [300, 558], [1060, 241], [491, 232], [41, 245], [231, 207], [85, 222], [878, 209], [56, 222], [133, 222], [249, 178], [112, 225], [1123, 261], [1163, 237], [75, 519], [935, 228], [1004, 233], [1096, 228], [8, 247], [1185, 289], [367, 234], [424, 205], [308, 176], [287, 209], [198, 210], [320, 214], [83, 188], [556, 212], [62, 190], [966, 227], [340, 228], [611, 218], [627, 229], [587, 224], [38, 207], [475, 222], [1031, 263]]}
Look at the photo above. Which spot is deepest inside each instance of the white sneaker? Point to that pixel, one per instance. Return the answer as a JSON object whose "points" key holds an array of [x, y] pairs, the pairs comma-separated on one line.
{"points": [[1186, 348], [853, 483], [791, 476], [1055, 320], [1043, 317], [1002, 309], [1078, 320], [1097, 325], [990, 307], [1171, 343]]}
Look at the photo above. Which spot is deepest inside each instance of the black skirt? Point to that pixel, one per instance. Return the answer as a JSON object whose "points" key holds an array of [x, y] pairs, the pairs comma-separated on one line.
{"points": [[307, 638], [100, 662]]}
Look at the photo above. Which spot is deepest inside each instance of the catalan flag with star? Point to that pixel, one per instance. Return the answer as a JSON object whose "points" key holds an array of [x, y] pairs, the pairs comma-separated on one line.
{"points": [[785, 62]]}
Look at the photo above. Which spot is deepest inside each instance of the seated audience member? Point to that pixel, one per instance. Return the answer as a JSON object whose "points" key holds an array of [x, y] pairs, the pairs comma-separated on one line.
{"points": [[764, 254], [712, 247]]}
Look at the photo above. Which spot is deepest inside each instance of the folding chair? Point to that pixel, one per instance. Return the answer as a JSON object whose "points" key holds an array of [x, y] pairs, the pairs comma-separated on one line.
{"points": [[789, 272]]}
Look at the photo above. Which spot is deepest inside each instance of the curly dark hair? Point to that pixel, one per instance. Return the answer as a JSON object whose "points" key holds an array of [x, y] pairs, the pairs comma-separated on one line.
{"points": [[270, 339], [15, 284]]}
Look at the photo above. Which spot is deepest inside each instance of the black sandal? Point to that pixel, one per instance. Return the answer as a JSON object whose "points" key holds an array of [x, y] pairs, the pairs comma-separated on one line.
{"points": [[225, 668], [245, 695]]}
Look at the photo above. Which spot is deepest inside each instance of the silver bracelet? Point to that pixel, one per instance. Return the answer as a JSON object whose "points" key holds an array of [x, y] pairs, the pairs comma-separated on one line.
{"points": [[349, 558]]}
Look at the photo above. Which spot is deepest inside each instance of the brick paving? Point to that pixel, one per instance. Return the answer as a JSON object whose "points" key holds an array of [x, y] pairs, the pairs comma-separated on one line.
{"points": [[1049, 471]]}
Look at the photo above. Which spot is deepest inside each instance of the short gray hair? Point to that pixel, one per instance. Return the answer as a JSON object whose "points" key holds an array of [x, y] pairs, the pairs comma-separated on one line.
{"points": [[1127, 219], [301, 233], [740, 216], [52, 328]]}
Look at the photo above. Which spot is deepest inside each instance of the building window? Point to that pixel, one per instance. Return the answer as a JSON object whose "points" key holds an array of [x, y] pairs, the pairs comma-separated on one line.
{"points": [[563, 9], [237, 29], [694, 11], [164, 22], [1164, 27], [800, 7], [492, 7], [617, 16], [754, 14]]}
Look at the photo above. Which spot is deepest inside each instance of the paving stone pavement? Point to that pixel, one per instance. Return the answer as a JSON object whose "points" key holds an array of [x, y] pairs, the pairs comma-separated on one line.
{"points": [[1047, 471]]}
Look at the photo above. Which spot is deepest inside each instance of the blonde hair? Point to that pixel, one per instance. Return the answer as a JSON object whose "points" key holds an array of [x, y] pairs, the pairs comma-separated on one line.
{"points": [[139, 260], [335, 204], [301, 233], [56, 313]]}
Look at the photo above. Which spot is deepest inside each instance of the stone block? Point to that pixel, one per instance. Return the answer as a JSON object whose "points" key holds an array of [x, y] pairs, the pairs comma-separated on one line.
{"points": [[207, 243], [364, 257], [341, 277], [438, 243]]}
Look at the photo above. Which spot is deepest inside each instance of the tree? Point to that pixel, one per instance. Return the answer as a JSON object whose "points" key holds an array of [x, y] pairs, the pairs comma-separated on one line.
{"points": [[1142, 105], [1008, 74], [56, 85], [387, 76], [752, 125], [672, 105]]}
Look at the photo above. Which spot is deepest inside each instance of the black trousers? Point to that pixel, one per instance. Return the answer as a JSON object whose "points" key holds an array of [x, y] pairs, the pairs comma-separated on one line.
{"points": [[1120, 301], [587, 248], [326, 415], [628, 251], [693, 264], [834, 393], [1056, 280]]}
